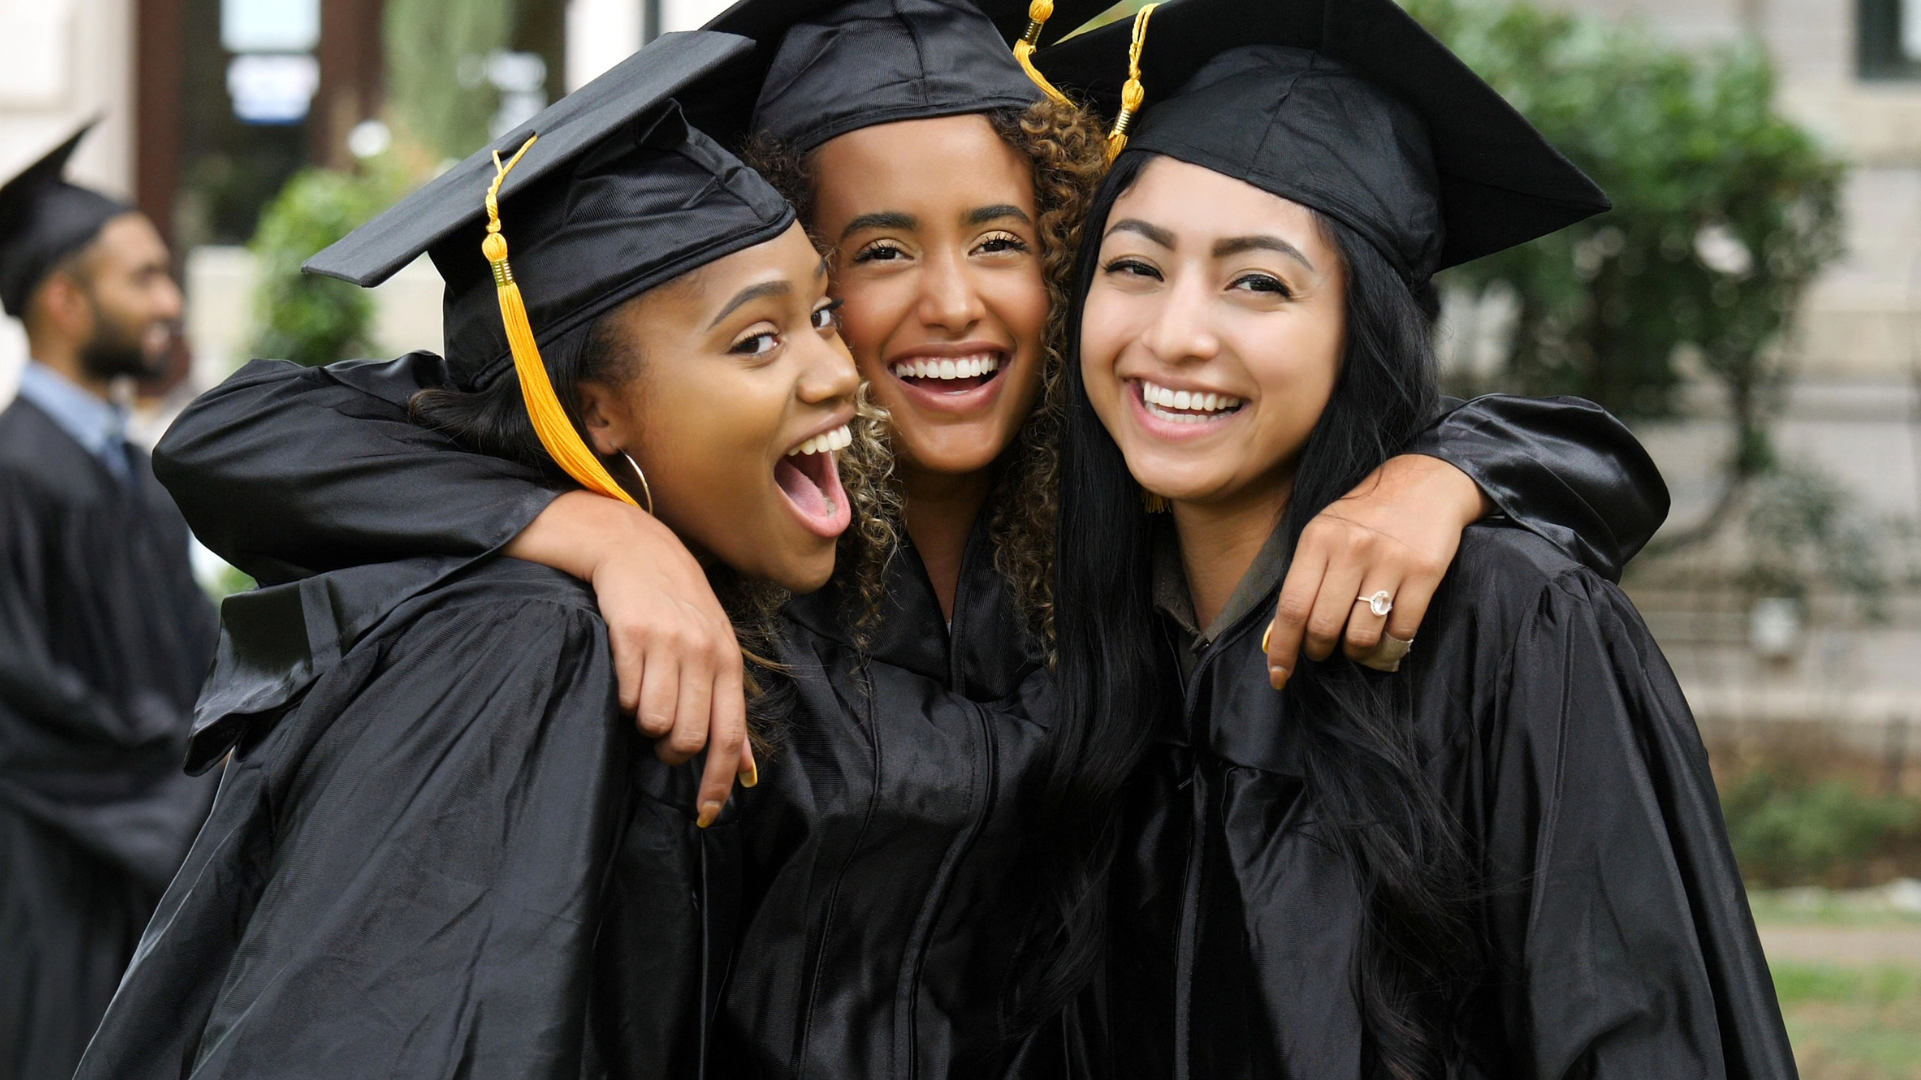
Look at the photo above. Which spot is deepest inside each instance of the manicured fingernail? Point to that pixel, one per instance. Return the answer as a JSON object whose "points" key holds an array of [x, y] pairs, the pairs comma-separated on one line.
{"points": [[1277, 675], [708, 812], [751, 776]]}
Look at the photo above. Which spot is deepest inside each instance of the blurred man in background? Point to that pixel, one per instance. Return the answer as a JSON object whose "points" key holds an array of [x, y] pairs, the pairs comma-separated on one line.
{"points": [[104, 635]]}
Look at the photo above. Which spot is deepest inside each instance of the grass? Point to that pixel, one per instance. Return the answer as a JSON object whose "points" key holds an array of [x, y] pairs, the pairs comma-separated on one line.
{"points": [[1851, 1023]]}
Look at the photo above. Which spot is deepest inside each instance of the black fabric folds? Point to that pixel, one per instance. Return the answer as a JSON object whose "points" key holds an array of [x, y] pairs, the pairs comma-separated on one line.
{"points": [[1546, 715], [408, 868], [104, 638]]}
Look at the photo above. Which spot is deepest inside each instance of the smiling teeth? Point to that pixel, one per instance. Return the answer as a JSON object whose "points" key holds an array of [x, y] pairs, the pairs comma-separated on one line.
{"points": [[1185, 406], [825, 442], [965, 367]]}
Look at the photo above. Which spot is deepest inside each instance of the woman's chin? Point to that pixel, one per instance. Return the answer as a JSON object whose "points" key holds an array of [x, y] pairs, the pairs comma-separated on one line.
{"points": [[952, 449], [803, 571]]}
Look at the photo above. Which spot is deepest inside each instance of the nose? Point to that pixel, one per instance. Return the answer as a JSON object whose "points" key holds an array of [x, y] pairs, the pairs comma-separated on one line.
{"points": [[1181, 328], [948, 297], [168, 303], [828, 375]]}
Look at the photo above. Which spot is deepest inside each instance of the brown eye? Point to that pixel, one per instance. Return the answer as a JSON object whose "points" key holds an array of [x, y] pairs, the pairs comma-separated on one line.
{"points": [[1263, 283], [880, 251], [756, 344], [826, 316], [1000, 243], [1132, 268]]}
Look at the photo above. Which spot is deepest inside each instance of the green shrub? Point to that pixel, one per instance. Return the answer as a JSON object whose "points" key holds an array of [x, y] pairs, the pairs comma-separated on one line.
{"points": [[300, 317], [1786, 832]]}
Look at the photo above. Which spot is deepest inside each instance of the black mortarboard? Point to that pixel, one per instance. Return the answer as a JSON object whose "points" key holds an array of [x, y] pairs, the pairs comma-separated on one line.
{"points": [[823, 69], [43, 219], [618, 195], [1349, 107]]}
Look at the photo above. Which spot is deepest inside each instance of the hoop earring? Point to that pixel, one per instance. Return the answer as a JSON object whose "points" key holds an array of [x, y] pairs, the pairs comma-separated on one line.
{"points": [[644, 488]]}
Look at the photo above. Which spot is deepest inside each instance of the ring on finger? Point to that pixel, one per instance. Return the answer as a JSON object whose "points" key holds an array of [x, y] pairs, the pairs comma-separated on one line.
{"points": [[1388, 654], [1265, 634], [1380, 602]]}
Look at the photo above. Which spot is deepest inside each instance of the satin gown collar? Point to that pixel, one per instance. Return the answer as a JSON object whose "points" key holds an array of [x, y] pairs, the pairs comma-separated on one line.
{"points": [[983, 654]]}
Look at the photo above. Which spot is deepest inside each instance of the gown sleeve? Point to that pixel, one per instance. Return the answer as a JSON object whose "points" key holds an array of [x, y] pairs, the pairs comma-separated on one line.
{"points": [[1562, 468], [1621, 926], [287, 471], [403, 875]]}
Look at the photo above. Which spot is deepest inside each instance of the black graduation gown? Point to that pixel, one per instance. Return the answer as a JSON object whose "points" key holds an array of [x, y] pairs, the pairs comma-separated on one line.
{"points": [[1555, 729], [104, 638], [877, 922], [876, 898], [409, 866]]}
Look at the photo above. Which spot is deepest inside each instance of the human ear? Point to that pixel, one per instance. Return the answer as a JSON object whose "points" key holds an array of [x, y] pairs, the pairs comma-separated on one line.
{"points": [[63, 302], [604, 413]]}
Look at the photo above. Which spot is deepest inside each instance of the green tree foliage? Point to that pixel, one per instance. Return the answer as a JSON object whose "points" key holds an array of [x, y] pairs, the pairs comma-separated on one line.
{"points": [[1723, 212], [300, 317], [1789, 832], [437, 51]]}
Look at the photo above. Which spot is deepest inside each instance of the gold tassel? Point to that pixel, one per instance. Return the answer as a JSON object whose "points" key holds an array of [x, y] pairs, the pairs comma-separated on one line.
{"points": [[551, 424], [1038, 13], [1152, 503], [1132, 93]]}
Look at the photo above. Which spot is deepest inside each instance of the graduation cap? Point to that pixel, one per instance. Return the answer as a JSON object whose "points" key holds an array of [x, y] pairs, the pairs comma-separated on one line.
{"points": [[44, 219], [823, 69], [602, 196], [1348, 107]]}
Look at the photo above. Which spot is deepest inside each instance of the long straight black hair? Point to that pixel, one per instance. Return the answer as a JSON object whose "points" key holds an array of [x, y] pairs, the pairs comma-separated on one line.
{"points": [[1418, 958]]}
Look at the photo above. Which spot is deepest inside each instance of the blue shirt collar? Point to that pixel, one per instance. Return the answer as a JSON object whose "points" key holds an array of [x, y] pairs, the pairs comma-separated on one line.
{"points": [[100, 427]]}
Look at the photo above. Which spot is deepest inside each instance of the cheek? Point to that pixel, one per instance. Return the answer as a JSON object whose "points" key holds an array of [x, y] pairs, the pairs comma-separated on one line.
{"points": [[703, 436], [1296, 371], [1104, 334], [870, 313], [1021, 301]]}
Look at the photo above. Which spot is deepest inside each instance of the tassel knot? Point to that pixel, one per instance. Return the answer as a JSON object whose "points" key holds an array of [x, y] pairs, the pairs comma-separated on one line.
{"points": [[1038, 13], [1132, 92]]}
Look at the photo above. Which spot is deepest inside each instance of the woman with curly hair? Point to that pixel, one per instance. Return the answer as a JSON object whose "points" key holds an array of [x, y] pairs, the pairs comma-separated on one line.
{"points": [[865, 897]]}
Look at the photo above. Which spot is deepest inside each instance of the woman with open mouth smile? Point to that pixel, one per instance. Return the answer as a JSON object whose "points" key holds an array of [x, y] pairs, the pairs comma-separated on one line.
{"points": [[433, 823], [880, 864]]}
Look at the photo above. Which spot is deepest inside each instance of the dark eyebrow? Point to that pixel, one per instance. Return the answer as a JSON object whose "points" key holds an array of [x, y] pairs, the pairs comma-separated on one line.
{"points": [[888, 219], [1236, 245], [749, 294], [994, 213], [1154, 233]]}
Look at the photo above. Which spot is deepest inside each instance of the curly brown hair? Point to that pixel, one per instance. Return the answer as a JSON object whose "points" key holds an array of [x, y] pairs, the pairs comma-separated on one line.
{"points": [[1067, 148]]}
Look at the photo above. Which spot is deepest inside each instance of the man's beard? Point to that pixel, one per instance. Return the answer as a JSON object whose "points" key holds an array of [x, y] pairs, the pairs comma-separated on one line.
{"points": [[117, 350]]}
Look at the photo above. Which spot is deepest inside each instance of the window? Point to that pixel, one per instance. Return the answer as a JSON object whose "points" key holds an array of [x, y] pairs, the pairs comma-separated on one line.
{"points": [[1889, 39]]}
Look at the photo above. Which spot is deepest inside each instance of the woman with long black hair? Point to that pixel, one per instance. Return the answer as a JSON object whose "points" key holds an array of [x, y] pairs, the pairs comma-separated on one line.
{"points": [[1505, 859]]}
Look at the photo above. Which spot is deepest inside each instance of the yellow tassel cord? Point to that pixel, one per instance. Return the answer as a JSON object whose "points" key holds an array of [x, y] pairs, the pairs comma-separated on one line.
{"points": [[1132, 93], [1038, 13], [556, 431]]}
